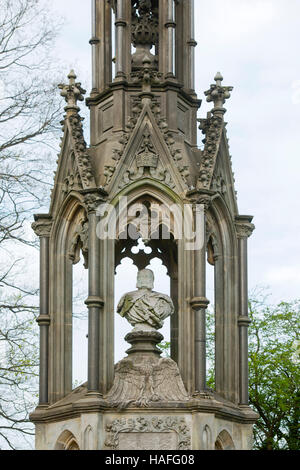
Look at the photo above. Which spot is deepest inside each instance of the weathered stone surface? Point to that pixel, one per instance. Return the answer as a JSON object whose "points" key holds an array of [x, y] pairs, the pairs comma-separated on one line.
{"points": [[148, 441], [146, 381], [143, 146], [160, 433], [145, 309]]}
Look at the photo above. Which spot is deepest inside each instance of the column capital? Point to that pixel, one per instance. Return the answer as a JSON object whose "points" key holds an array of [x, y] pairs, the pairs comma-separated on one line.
{"points": [[42, 225], [203, 197], [244, 227], [93, 198]]}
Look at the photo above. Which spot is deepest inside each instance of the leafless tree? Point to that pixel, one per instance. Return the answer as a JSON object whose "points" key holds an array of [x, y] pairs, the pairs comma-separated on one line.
{"points": [[29, 117]]}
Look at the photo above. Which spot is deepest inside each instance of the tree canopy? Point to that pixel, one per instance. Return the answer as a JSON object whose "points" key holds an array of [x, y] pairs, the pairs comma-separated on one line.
{"points": [[274, 373], [30, 110]]}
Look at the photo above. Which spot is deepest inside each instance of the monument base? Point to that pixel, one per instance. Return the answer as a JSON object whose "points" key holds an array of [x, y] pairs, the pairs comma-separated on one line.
{"points": [[89, 424], [147, 408]]}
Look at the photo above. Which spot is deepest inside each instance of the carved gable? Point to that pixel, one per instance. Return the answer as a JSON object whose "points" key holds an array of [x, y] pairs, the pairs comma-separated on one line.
{"points": [[74, 171], [148, 153]]}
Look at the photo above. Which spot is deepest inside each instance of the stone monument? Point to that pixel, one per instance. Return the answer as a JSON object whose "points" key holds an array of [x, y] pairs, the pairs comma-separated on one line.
{"points": [[143, 150], [143, 378]]}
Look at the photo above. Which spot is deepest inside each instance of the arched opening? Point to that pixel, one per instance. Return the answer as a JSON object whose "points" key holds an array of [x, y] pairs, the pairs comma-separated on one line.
{"points": [[131, 257], [145, 240], [211, 315], [78, 255], [79, 324], [224, 441], [66, 441], [226, 300]]}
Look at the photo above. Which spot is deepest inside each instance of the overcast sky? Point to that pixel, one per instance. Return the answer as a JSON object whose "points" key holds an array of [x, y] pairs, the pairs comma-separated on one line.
{"points": [[255, 44]]}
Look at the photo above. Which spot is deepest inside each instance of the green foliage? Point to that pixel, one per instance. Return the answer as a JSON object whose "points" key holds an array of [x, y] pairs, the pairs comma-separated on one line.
{"points": [[165, 346], [30, 111], [210, 348], [274, 373]]}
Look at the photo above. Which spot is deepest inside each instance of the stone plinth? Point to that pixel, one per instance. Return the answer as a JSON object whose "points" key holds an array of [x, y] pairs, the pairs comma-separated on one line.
{"points": [[204, 424], [143, 378]]}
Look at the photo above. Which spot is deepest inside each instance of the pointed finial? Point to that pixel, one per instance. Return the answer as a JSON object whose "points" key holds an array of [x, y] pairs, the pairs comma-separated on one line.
{"points": [[218, 94], [72, 92], [218, 79], [72, 77]]}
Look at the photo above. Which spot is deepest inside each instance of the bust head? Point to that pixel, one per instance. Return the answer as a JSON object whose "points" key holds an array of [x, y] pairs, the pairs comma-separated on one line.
{"points": [[145, 279]]}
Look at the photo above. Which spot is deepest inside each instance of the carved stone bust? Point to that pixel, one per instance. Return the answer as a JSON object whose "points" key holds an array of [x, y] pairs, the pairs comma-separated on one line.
{"points": [[145, 309], [143, 378]]}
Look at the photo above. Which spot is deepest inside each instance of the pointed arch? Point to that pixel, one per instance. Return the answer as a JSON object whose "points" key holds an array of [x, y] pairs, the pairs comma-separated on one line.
{"points": [[70, 216], [206, 438], [66, 441], [224, 441], [88, 438], [225, 258], [182, 331]]}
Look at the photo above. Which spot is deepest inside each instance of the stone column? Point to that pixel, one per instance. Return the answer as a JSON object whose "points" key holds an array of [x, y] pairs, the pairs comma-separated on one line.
{"points": [[200, 302], [94, 301], [42, 227], [244, 230], [101, 43], [121, 25], [185, 44], [174, 318], [170, 25], [94, 41], [191, 46]]}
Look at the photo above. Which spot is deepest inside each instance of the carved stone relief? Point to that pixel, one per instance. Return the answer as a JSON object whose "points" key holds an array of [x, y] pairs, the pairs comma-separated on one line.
{"points": [[155, 171], [146, 383], [219, 184], [152, 426], [80, 242], [212, 127], [244, 230], [72, 92], [42, 228], [147, 164]]}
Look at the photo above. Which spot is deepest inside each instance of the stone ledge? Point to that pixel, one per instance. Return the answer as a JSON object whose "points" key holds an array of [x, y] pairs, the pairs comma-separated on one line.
{"points": [[239, 414]]}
